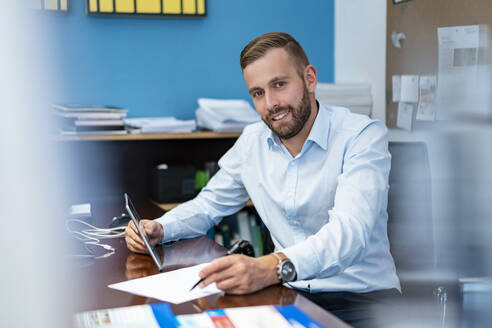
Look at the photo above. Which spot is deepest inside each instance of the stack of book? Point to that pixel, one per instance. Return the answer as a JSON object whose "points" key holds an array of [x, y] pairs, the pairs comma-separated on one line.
{"points": [[77, 119], [355, 96]]}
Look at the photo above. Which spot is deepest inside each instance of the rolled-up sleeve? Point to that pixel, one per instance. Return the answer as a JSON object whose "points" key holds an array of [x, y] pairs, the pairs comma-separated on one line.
{"points": [[223, 195]]}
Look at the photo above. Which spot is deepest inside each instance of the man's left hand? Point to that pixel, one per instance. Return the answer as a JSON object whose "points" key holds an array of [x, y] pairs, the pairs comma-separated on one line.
{"points": [[240, 274]]}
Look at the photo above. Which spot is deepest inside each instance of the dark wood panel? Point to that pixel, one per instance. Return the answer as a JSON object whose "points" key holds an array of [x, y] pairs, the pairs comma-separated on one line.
{"points": [[95, 170]]}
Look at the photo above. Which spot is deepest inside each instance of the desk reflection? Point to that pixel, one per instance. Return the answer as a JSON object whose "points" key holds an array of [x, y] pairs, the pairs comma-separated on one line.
{"points": [[177, 255], [188, 252], [278, 295], [139, 265], [273, 295], [200, 250]]}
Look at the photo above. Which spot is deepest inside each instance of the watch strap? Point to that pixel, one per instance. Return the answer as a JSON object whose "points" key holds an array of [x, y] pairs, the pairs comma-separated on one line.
{"points": [[280, 257]]}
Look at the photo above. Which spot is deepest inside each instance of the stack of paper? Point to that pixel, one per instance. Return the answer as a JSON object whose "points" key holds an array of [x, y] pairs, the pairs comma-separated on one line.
{"points": [[159, 125], [225, 115], [82, 119], [356, 97]]}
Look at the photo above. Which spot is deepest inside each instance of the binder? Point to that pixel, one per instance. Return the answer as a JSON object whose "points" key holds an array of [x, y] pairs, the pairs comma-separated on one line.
{"points": [[125, 6], [51, 4], [172, 7], [137, 7], [93, 6], [189, 7], [64, 5], [201, 7], [106, 6], [36, 4], [148, 6]]}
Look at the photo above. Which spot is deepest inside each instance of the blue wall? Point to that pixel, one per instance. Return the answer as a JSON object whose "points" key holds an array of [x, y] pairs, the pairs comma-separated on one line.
{"points": [[160, 66]]}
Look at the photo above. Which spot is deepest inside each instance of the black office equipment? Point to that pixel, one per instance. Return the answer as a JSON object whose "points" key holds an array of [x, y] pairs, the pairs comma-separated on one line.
{"points": [[172, 183], [120, 221], [240, 247]]}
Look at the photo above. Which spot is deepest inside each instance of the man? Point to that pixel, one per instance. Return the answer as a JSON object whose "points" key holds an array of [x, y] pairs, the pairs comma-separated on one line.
{"points": [[318, 177]]}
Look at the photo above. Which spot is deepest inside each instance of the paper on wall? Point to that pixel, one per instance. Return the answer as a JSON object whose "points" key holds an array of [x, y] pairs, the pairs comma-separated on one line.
{"points": [[409, 89], [426, 110], [464, 77], [405, 116]]}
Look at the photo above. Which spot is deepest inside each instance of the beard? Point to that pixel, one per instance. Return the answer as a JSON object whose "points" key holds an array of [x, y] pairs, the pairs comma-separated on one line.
{"points": [[300, 114]]}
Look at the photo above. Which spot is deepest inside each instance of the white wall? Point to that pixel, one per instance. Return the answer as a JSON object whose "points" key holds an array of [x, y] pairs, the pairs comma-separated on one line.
{"points": [[360, 47]]}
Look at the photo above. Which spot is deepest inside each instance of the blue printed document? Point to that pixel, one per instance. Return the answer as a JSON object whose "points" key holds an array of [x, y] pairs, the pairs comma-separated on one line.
{"points": [[160, 315]]}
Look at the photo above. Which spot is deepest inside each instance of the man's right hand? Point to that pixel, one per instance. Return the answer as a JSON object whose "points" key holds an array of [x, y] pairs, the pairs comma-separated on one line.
{"points": [[152, 229]]}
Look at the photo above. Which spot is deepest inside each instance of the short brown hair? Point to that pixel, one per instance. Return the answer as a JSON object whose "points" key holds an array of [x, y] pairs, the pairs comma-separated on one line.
{"points": [[257, 48]]}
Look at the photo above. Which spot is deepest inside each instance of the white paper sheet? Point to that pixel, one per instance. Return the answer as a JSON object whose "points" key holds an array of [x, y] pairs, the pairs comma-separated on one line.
{"points": [[405, 116], [409, 89], [426, 110], [464, 74], [173, 286]]}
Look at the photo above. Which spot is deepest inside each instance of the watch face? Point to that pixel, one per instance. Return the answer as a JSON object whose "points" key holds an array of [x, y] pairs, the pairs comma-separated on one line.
{"points": [[288, 271]]}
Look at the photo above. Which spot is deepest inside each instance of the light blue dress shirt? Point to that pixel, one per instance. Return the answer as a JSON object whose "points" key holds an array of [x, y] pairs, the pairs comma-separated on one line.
{"points": [[325, 208]]}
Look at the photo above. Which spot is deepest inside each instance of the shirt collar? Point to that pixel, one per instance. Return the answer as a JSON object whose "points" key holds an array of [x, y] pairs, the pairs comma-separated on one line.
{"points": [[321, 127], [318, 134]]}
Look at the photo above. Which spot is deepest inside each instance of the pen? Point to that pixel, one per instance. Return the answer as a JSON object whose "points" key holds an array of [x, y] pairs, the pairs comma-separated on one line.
{"points": [[240, 247]]}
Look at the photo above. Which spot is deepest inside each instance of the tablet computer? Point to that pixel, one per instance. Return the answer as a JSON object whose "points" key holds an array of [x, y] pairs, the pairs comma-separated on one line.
{"points": [[136, 218]]}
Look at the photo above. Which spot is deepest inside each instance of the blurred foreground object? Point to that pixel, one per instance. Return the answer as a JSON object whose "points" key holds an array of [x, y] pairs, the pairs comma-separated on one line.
{"points": [[32, 279]]}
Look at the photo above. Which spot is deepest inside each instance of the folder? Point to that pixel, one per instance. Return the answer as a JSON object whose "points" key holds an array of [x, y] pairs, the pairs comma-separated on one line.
{"points": [[189, 7], [106, 6], [36, 4], [201, 7], [51, 4], [93, 6], [125, 6], [64, 5], [172, 7], [148, 6]]}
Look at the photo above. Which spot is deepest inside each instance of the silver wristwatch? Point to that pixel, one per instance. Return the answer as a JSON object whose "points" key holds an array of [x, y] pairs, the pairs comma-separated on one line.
{"points": [[285, 268]]}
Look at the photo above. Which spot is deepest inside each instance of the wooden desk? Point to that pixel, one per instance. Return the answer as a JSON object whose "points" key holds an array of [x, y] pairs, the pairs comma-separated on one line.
{"points": [[96, 275]]}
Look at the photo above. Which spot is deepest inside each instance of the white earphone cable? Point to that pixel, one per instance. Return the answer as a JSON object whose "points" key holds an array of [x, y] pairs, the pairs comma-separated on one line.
{"points": [[92, 236]]}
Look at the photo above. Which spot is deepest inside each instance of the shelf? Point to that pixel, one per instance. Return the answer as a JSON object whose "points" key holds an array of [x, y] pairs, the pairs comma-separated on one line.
{"points": [[170, 206], [149, 136]]}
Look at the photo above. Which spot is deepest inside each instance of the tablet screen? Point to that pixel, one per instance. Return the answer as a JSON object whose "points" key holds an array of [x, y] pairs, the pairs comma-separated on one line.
{"points": [[136, 218]]}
